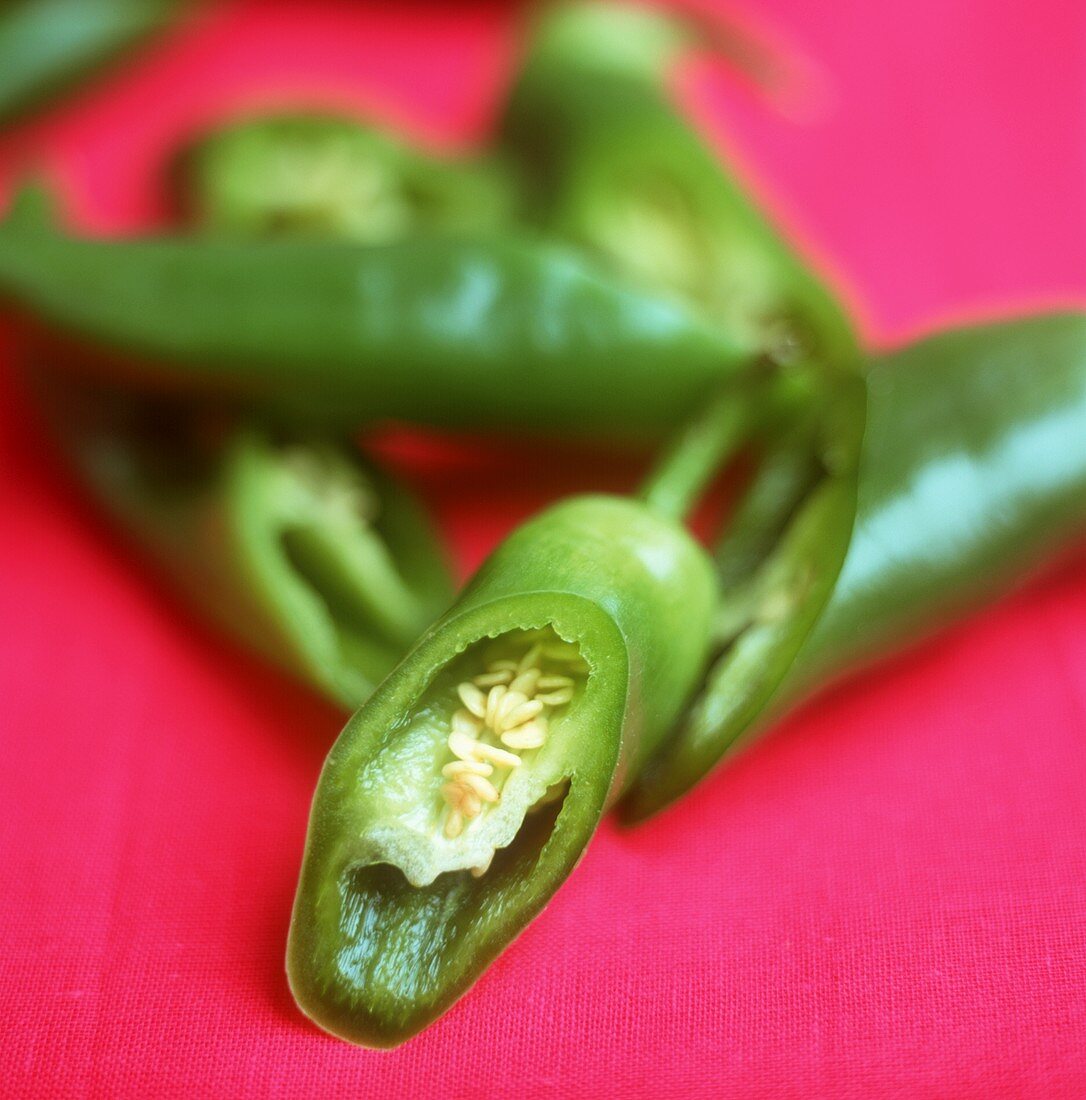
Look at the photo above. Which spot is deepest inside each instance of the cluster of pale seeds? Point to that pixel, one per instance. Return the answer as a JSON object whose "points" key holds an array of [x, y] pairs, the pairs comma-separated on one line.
{"points": [[510, 701]]}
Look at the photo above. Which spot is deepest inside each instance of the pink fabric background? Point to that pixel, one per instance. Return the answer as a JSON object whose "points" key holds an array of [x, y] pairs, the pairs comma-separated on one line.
{"points": [[885, 898]]}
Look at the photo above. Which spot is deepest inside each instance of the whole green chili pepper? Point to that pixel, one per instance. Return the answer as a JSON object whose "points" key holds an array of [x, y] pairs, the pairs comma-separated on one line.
{"points": [[492, 333], [609, 163], [45, 44], [297, 547], [461, 795], [326, 175], [973, 473]]}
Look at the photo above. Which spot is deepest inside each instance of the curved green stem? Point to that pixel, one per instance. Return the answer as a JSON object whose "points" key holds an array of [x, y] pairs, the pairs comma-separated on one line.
{"points": [[680, 476]]}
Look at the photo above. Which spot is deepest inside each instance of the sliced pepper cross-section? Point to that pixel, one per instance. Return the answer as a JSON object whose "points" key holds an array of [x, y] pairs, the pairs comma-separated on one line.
{"points": [[462, 794]]}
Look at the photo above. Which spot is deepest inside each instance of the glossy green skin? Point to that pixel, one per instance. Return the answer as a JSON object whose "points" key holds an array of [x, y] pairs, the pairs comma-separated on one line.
{"points": [[594, 127], [973, 474], [500, 333], [208, 506], [326, 175], [776, 582], [45, 44], [373, 959]]}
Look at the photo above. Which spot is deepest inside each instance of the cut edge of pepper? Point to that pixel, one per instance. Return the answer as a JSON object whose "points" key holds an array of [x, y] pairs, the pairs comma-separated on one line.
{"points": [[306, 519], [374, 959]]}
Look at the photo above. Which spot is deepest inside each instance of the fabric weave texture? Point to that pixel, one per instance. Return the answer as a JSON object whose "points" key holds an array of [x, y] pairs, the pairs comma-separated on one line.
{"points": [[884, 898]]}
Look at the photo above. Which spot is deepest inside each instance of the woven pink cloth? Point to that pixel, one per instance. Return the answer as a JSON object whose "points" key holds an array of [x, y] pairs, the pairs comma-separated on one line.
{"points": [[885, 898]]}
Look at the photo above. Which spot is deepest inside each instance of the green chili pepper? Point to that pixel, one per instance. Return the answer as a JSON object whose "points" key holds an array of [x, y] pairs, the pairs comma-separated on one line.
{"points": [[610, 164], [973, 473], [493, 333], [461, 795], [322, 175], [45, 44], [297, 547]]}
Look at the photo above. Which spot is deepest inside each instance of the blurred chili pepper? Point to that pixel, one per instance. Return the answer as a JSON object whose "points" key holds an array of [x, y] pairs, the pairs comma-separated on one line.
{"points": [[294, 545], [297, 547], [495, 333], [973, 474], [45, 44], [609, 164], [325, 175]]}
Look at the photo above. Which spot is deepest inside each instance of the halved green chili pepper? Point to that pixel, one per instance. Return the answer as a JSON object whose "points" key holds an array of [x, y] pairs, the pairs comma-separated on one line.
{"points": [[297, 547], [44, 44], [784, 547], [493, 333], [610, 164], [973, 473], [327, 175], [461, 795]]}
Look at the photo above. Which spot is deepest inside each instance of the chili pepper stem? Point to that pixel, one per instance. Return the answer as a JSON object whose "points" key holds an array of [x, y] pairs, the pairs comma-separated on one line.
{"points": [[680, 476]]}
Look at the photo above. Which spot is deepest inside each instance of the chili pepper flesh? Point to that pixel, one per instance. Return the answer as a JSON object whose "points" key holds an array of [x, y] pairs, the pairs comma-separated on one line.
{"points": [[485, 737]]}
